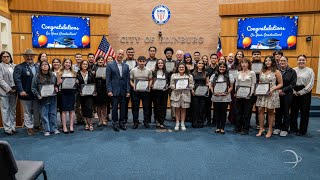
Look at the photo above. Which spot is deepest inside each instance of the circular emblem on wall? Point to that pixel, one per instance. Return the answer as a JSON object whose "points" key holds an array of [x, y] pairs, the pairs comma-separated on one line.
{"points": [[161, 14]]}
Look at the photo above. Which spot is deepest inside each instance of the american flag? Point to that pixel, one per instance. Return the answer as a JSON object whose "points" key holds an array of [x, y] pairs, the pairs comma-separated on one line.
{"points": [[104, 49], [219, 48]]}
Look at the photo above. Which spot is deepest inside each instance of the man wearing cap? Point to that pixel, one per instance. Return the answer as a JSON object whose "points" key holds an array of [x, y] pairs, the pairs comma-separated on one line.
{"points": [[22, 75]]}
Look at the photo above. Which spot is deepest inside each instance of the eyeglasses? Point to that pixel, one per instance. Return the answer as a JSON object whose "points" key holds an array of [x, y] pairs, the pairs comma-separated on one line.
{"points": [[5, 56]]}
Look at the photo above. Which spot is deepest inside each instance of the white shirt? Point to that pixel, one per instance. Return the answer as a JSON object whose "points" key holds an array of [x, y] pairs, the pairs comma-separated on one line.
{"points": [[305, 77], [119, 67]]}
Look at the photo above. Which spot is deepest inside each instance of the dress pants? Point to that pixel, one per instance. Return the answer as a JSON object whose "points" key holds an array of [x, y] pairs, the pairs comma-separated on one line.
{"points": [[208, 108], [160, 105], [145, 97], [116, 100], [198, 106], [8, 111], [243, 109], [31, 113], [220, 112], [151, 102], [282, 114], [301, 103]]}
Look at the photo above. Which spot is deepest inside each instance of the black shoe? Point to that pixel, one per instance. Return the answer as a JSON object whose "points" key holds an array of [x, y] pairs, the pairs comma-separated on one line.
{"points": [[72, 131], [123, 127], [244, 132], [135, 125], [14, 131], [66, 132], [9, 133], [80, 123], [147, 125], [115, 129], [236, 130], [300, 134]]}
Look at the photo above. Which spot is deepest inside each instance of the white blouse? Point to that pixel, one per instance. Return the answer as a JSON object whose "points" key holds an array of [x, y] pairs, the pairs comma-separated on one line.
{"points": [[305, 77], [247, 79]]}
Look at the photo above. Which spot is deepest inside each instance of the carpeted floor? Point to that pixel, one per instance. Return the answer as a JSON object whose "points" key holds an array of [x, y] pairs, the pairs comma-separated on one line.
{"points": [[150, 154]]}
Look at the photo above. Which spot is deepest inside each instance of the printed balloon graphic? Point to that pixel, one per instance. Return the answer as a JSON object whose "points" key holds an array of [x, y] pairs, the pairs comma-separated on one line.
{"points": [[291, 41], [85, 40], [246, 42], [42, 40]]}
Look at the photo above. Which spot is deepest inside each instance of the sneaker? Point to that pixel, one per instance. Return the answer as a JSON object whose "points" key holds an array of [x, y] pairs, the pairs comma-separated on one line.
{"points": [[283, 133], [183, 127], [56, 131], [176, 128], [276, 131], [47, 134], [30, 132]]}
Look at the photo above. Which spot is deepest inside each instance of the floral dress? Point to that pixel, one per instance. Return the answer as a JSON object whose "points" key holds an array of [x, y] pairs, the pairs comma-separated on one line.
{"points": [[273, 101]]}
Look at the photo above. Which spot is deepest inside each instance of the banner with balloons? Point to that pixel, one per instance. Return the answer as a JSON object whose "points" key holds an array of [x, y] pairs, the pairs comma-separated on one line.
{"points": [[267, 32], [60, 31]]}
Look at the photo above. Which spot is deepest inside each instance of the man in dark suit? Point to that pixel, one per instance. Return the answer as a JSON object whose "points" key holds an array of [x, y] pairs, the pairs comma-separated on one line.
{"points": [[118, 88], [22, 76]]}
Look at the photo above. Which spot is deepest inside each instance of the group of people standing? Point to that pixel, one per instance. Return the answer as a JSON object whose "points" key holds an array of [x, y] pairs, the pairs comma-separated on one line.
{"points": [[191, 84]]}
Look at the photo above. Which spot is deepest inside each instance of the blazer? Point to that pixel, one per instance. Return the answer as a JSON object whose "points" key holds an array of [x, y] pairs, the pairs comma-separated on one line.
{"points": [[119, 86], [23, 76], [5, 79]]}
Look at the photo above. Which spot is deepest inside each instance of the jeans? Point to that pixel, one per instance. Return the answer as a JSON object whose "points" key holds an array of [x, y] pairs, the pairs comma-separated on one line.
{"points": [[31, 113], [8, 111], [49, 114]]}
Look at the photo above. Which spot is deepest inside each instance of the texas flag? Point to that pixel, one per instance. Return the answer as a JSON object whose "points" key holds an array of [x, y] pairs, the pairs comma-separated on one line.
{"points": [[219, 48]]}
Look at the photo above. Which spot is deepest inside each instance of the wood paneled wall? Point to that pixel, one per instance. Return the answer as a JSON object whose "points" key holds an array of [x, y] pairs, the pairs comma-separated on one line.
{"points": [[308, 25]]}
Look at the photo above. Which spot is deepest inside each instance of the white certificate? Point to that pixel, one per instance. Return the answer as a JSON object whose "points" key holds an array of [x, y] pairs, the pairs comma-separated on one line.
{"points": [[88, 89], [234, 73], [131, 64], [256, 67], [182, 84], [101, 72], [220, 87], [262, 89], [68, 83], [160, 84], [47, 90], [243, 92], [201, 90], [151, 64], [170, 66], [142, 85]]}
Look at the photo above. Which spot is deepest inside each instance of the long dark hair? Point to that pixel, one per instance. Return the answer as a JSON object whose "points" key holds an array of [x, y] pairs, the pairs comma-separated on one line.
{"points": [[245, 60], [236, 60], [185, 58], [203, 69], [82, 63], [2, 53], [273, 64], [54, 60], [39, 57], [225, 74], [98, 58], [156, 69], [45, 78], [186, 71]]}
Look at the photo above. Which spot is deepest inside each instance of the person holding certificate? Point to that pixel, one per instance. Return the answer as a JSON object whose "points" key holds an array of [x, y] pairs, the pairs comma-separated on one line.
{"points": [[221, 86], [44, 86], [190, 66], [8, 95], [56, 65], [160, 83], [67, 79], [268, 97], [200, 93], [101, 99], [140, 81], [85, 77], [181, 82], [245, 83], [302, 97]]}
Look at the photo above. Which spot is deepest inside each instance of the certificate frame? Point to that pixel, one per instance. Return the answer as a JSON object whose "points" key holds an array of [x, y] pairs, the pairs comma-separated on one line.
{"points": [[101, 72], [92, 91], [137, 81], [171, 64], [257, 67], [69, 86], [182, 87], [234, 72], [241, 89], [218, 89], [153, 64], [158, 87], [202, 90], [50, 90], [265, 89], [131, 64]]}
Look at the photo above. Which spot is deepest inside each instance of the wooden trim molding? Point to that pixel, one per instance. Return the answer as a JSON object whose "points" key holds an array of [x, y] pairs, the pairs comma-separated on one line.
{"points": [[64, 7], [275, 7], [5, 14]]}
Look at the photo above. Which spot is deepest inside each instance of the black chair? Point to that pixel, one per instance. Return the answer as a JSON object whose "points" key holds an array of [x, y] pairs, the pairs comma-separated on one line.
{"points": [[10, 169]]}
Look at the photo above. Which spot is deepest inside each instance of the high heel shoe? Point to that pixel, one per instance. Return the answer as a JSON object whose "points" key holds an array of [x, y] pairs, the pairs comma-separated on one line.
{"points": [[217, 131], [91, 127], [261, 131], [269, 134]]}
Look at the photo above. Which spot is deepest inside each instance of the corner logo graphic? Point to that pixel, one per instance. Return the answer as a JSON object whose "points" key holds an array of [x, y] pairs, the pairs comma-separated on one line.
{"points": [[161, 14], [297, 158]]}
